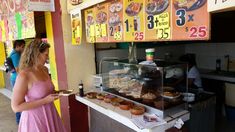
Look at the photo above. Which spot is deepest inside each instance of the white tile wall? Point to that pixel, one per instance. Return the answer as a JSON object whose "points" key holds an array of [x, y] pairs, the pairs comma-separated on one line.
{"points": [[207, 53]]}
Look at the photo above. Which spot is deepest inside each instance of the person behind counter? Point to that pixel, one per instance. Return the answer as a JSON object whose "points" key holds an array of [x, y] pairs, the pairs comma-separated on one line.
{"points": [[33, 92], [194, 79]]}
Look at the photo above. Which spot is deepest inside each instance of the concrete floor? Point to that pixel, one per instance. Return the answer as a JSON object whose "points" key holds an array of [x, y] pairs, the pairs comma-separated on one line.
{"points": [[7, 116]]}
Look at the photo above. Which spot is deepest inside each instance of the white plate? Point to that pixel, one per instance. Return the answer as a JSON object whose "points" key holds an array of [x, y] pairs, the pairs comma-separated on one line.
{"points": [[65, 92], [170, 97]]}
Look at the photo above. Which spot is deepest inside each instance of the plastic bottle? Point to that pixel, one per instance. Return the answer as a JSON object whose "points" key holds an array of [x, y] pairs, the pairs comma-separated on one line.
{"points": [[80, 86], [218, 64]]}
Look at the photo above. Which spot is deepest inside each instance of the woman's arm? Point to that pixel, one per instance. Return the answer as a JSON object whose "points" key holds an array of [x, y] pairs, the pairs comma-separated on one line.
{"points": [[20, 90]]}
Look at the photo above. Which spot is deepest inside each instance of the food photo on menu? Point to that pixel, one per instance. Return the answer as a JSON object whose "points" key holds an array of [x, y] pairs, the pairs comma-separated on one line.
{"points": [[156, 6], [188, 5]]}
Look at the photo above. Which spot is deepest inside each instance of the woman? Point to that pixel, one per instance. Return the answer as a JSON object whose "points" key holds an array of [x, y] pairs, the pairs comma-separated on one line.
{"points": [[34, 92], [194, 79]]}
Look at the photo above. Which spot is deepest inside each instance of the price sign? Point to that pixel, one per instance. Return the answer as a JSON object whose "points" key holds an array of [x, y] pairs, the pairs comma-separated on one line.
{"points": [[162, 21], [190, 22], [103, 30], [157, 18], [92, 34], [90, 25], [76, 27], [164, 33], [117, 35], [163, 26], [134, 20], [101, 19], [115, 25], [97, 31], [92, 30]]}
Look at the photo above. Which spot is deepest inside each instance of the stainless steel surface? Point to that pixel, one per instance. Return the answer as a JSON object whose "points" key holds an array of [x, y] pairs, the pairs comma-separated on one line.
{"points": [[218, 75]]}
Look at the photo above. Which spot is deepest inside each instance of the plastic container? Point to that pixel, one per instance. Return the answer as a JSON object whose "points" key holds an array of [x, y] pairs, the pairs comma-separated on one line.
{"points": [[150, 54]]}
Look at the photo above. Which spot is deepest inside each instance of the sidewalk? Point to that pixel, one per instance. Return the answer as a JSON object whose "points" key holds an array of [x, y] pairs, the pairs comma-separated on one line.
{"points": [[7, 116]]}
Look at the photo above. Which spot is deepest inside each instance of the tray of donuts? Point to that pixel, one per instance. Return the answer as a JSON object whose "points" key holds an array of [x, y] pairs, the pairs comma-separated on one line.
{"points": [[118, 102]]}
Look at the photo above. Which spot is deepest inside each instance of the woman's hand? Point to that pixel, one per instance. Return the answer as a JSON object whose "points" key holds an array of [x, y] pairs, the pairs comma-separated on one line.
{"points": [[51, 97]]}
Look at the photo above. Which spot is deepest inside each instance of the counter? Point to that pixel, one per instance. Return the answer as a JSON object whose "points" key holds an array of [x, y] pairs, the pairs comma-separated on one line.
{"points": [[221, 75], [124, 117]]}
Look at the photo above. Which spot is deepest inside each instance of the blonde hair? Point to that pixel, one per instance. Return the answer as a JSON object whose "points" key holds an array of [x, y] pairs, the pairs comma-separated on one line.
{"points": [[30, 55]]}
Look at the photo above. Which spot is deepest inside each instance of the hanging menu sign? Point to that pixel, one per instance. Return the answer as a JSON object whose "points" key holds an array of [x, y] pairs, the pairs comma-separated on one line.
{"points": [[133, 20], [18, 26], [41, 5], [76, 27], [190, 20], [90, 25], [101, 22], [115, 25], [157, 20]]}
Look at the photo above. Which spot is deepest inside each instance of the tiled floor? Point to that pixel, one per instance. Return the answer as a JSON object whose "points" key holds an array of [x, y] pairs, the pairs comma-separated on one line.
{"points": [[7, 116]]}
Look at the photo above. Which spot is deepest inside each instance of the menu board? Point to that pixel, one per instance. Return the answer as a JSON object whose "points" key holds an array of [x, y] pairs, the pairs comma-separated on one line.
{"points": [[133, 21], [190, 20], [115, 21], [101, 22], [157, 20], [76, 28], [148, 20], [90, 25]]}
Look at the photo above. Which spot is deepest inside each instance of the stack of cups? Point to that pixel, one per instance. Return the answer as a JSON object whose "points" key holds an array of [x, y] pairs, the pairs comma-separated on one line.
{"points": [[150, 54]]}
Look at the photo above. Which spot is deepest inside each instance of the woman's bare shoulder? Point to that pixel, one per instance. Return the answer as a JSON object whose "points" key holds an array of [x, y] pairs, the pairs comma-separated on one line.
{"points": [[24, 73]]}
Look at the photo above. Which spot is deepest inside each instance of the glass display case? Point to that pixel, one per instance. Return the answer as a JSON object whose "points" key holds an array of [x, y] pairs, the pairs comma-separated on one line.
{"points": [[156, 85]]}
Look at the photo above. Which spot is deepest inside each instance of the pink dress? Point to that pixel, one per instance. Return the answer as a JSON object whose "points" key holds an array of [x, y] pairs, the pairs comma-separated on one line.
{"points": [[43, 118]]}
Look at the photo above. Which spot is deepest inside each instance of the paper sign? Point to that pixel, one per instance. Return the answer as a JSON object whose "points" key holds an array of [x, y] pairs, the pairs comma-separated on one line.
{"points": [[191, 21], [164, 33], [76, 27], [162, 21], [133, 20], [101, 20], [117, 35], [163, 26], [104, 30], [98, 31], [90, 25], [157, 15], [115, 20], [92, 30]]}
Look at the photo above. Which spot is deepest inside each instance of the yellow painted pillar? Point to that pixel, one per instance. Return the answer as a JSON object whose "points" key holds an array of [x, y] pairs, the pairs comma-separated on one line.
{"points": [[53, 67], [2, 59]]}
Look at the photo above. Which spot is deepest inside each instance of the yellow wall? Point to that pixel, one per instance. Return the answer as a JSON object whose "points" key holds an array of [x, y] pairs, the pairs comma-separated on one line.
{"points": [[2, 58], [80, 60], [53, 68]]}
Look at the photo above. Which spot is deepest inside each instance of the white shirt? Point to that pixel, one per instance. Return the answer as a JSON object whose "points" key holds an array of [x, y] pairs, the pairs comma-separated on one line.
{"points": [[194, 74]]}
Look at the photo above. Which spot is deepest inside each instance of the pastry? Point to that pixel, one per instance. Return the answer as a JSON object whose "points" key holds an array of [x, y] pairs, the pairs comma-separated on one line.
{"points": [[126, 105], [107, 98], [91, 95], [148, 97], [115, 101], [100, 96], [137, 110]]}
